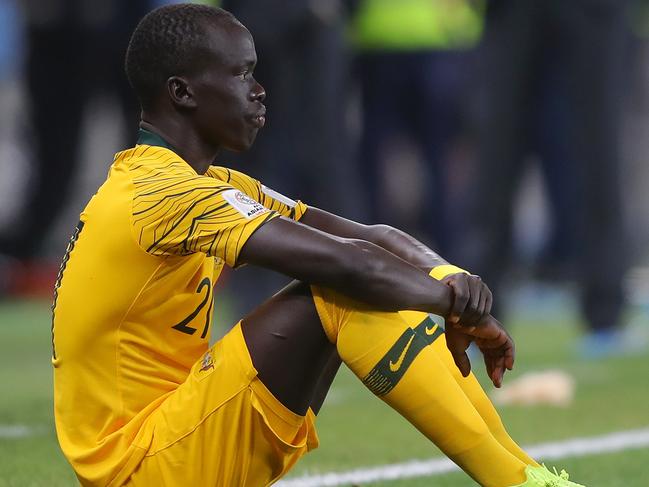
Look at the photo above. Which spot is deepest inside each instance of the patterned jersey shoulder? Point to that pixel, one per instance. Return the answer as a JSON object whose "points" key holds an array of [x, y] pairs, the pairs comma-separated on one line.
{"points": [[178, 212], [273, 200]]}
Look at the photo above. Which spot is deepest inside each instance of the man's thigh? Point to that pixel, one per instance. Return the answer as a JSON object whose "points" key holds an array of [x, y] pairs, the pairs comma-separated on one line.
{"points": [[290, 350], [222, 427]]}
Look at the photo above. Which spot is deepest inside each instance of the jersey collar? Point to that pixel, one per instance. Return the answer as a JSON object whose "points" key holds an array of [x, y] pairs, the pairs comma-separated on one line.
{"points": [[145, 137]]}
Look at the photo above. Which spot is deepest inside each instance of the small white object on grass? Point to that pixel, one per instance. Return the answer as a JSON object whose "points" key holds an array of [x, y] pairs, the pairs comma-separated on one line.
{"points": [[553, 387]]}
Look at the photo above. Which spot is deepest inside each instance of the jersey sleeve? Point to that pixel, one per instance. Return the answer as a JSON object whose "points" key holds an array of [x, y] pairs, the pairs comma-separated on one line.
{"points": [[273, 200], [180, 216]]}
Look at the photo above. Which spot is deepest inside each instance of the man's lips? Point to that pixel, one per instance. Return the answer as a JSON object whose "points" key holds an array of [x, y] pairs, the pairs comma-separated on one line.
{"points": [[259, 120]]}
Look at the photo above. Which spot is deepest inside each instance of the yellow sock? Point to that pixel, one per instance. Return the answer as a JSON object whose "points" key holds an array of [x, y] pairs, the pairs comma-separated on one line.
{"points": [[473, 391], [396, 362], [469, 385]]}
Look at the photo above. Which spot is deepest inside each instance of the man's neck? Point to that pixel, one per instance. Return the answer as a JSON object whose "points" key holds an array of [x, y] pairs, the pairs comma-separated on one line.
{"points": [[183, 141]]}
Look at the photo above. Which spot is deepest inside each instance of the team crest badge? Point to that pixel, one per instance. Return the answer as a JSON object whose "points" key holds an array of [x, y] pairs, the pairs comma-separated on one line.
{"points": [[207, 363]]}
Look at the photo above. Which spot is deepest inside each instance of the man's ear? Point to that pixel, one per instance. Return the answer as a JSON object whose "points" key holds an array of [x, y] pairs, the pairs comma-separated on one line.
{"points": [[180, 92]]}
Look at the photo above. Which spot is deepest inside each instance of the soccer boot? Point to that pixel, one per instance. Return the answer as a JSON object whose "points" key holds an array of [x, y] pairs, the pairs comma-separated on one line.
{"points": [[542, 477]]}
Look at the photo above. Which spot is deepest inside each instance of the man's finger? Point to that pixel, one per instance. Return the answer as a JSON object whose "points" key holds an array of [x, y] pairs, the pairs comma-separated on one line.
{"points": [[482, 307], [497, 377], [495, 369], [461, 298], [473, 309], [510, 355], [490, 329], [489, 301], [463, 363]]}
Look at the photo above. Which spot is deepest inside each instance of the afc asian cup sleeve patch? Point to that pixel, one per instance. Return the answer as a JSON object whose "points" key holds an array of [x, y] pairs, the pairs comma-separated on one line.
{"points": [[244, 204]]}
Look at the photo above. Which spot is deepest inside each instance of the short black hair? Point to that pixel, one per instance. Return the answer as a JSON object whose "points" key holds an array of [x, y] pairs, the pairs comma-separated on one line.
{"points": [[168, 41]]}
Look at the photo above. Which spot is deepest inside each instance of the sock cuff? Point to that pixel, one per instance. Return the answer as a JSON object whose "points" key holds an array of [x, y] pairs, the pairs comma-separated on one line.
{"points": [[441, 271]]}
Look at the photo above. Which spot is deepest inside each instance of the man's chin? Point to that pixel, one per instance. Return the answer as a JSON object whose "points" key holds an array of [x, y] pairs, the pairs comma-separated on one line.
{"points": [[242, 145]]}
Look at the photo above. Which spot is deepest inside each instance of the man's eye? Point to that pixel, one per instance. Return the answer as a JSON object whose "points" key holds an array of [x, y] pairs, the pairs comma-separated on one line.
{"points": [[244, 74]]}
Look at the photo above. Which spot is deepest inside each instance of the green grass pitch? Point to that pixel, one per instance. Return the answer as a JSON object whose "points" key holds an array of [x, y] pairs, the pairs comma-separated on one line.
{"points": [[355, 429]]}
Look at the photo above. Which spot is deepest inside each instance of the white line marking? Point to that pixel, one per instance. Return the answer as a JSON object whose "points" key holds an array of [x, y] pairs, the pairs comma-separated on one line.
{"points": [[575, 447]]}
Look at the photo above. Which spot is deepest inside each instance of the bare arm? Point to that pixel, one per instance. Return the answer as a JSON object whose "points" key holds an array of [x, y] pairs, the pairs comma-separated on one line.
{"points": [[391, 239], [369, 273], [357, 268], [472, 298]]}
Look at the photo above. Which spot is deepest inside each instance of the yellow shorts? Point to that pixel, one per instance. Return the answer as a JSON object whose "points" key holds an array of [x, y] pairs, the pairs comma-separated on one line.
{"points": [[222, 427]]}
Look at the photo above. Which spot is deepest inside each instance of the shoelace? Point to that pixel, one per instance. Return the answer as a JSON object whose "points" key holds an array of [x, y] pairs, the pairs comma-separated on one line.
{"points": [[563, 475], [541, 476]]}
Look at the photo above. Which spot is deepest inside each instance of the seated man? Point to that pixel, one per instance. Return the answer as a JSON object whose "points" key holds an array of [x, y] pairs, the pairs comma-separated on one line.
{"points": [[141, 400]]}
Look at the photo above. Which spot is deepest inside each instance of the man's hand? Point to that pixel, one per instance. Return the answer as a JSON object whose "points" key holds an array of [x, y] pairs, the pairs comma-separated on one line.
{"points": [[494, 342], [472, 302]]}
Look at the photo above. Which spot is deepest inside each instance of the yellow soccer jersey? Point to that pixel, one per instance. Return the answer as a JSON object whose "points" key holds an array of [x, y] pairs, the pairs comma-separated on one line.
{"points": [[133, 299]]}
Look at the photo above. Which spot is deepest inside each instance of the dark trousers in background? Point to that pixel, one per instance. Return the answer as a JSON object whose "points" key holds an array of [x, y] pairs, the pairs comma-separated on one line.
{"points": [[590, 36], [418, 96]]}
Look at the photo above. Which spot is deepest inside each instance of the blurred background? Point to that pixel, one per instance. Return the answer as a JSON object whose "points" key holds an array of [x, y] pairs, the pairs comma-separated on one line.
{"points": [[511, 136]]}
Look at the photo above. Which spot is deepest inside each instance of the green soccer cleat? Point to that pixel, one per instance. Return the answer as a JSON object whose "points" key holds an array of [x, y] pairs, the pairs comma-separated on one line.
{"points": [[542, 477]]}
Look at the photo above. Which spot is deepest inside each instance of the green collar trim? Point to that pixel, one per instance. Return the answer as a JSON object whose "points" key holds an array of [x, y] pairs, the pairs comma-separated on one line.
{"points": [[145, 137]]}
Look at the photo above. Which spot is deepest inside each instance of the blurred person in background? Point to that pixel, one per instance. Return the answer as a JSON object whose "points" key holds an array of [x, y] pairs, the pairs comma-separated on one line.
{"points": [[11, 53], [635, 141], [303, 150], [413, 65], [75, 48], [553, 83], [304, 147]]}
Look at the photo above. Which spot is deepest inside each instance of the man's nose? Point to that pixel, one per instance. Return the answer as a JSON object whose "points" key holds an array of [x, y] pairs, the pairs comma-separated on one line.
{"points": [[258, 93]]}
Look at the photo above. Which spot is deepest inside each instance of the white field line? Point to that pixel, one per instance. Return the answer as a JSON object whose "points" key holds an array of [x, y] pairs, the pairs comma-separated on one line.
{"points": [[575, 447]]}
